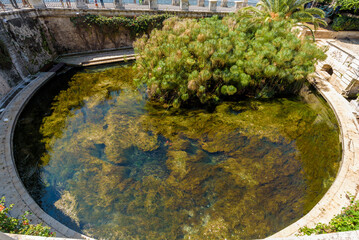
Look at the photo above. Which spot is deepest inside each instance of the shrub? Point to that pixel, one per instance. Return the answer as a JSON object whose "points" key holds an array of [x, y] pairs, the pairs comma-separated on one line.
{"points": [[20, 226], [342, 23], [352, 5], [110, 25], [203, 61], [347, 220]]}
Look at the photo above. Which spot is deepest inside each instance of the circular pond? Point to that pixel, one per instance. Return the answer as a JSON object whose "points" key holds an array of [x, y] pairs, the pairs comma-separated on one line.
{"points": [[102, 160]]}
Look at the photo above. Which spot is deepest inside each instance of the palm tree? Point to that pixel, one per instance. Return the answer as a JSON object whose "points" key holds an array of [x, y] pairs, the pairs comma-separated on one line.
{"points": [[289, 9]]}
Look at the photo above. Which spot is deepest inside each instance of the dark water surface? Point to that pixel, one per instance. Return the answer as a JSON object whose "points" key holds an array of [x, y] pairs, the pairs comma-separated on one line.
{"points": [[105, 162]]}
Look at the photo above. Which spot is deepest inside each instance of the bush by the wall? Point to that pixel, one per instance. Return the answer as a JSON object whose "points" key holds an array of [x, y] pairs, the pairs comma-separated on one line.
{"points": [[22, 225], [342, 23], [111, 25]]}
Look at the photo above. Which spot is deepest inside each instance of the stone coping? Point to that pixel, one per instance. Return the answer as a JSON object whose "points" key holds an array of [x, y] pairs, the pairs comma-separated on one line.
{"points": [[7, 236], [11, 185], [346, 182], [350, 235], [64, 12]]}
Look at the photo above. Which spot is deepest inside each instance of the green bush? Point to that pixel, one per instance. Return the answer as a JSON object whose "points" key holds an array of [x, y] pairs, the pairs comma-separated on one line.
{"points": [[352, 5], [347, 220], [204, 61], [342, 23], [20, 226], [110, 25]]}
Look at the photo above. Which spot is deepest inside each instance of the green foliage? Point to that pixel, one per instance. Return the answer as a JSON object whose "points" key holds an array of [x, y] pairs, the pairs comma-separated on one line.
{"points": [[347, 220], [342, 23], [289, 9], [111, 25], [22, 225], [349, 5], [5, 59], [206, 60]]}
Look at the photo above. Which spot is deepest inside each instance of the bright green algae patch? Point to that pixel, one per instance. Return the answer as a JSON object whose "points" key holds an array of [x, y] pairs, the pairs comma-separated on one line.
{"points": [[126, 169]]}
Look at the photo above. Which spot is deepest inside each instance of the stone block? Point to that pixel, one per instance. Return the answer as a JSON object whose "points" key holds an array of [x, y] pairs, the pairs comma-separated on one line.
{"points": [[184, 5], [118, 4], [224, 3], [212, 5], [81, 4], [38, 4], [239, 4]]}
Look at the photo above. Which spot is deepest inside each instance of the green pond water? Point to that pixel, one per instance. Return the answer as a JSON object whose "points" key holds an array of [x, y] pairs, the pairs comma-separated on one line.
{"points": [[101, 159]]}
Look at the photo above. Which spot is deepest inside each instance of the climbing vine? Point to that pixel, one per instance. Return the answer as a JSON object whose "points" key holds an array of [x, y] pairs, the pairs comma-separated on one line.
{"points": [[111, 25]]}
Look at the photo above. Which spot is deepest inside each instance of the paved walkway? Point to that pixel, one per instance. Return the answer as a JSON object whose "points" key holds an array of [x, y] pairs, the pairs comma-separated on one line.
{"points": [[132, 6], [97, 57]]}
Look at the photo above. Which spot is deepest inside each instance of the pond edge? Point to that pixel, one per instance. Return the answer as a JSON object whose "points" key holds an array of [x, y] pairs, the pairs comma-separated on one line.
{"points": [[346, 182], [331, 204], [11, 185]]}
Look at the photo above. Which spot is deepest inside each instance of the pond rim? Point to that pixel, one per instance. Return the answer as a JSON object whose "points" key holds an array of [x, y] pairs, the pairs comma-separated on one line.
{"points": [[331, 203]]}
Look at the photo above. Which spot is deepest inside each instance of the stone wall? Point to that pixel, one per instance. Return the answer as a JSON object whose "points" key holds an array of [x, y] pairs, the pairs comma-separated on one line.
{"points": [[35, 37], [341, 68]]}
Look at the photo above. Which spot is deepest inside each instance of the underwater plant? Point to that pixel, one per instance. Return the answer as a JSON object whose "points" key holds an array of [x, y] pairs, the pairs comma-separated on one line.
{"points": [[129, 168]]}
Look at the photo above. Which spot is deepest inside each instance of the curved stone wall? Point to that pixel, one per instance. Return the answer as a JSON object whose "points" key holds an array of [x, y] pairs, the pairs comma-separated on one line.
{"points": [[14, 191], [347, 180], [11, 185]]}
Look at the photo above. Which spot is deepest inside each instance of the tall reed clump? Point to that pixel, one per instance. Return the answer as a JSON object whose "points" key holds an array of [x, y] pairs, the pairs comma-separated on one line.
{"points": [[207, 60]]}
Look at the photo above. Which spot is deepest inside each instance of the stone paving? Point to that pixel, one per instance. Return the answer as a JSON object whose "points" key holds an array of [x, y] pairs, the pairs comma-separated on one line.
{"points": [[351, 44], [98, 57], [131, 6]]}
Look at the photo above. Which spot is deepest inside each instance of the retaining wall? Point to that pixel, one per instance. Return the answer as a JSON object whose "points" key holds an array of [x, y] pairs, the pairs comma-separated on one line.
{"points": [[35, 37]]}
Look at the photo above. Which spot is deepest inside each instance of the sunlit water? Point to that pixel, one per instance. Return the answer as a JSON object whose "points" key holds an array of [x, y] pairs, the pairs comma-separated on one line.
{"points": [[106, 162]]}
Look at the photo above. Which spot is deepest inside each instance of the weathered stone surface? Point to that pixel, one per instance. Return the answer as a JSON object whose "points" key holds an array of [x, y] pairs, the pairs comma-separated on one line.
{"points": [[346, 182]]}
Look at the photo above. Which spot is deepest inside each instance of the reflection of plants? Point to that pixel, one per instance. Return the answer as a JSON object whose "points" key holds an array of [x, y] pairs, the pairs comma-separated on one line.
{"points": [[347, 220], [20, 226]]}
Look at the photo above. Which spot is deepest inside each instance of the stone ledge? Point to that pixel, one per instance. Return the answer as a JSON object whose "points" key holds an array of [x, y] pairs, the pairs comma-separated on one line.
{"points": [[347, 178], [10, 184]]}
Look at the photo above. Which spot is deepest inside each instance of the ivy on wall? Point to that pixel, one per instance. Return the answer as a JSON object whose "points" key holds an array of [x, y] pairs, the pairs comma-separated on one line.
{"points": [[110, 25]]}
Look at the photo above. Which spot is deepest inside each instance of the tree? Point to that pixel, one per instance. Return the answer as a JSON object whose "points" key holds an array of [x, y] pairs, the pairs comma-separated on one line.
{"points": [[289, 9]]}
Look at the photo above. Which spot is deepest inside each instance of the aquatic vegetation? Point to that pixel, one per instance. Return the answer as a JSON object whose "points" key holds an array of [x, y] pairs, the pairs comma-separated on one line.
{"points": [[204, 61], [130, 169]]}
